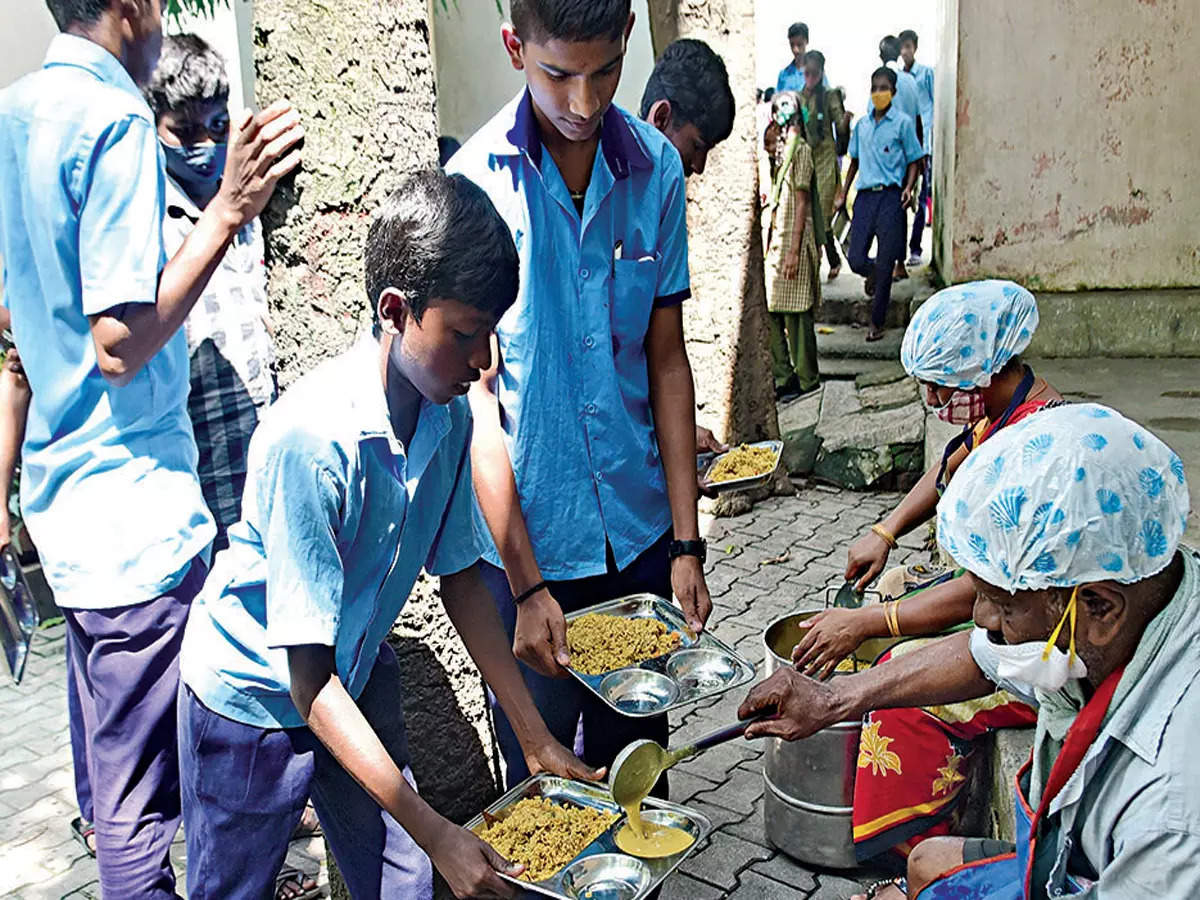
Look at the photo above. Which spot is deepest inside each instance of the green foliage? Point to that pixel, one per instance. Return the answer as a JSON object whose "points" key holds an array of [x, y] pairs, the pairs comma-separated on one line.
{"points": [[205, 8]]}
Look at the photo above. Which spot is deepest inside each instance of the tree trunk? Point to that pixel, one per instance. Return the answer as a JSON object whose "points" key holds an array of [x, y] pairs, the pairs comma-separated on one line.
{"points": [[360, 72], [726, 321]]}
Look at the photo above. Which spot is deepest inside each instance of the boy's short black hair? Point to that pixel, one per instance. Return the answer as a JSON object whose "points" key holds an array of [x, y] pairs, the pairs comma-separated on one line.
{"points": [[189, 71], [889, 48], [768, 95], [907, 35], [798, 29], [570, 20], [438, 236], [71, 12], [885, 72], [693, 78]]}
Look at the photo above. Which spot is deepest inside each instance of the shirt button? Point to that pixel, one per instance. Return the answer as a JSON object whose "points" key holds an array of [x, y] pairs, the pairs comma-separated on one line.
{"points": [[590, 409], [599, 476], [589, 342], [584, 274]]}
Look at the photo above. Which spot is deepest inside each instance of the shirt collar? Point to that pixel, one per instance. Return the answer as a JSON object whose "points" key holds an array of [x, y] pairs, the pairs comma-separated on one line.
{"points": [[887, 115], [367, 394], [622, 151], [1164, 666], [71, 50]]}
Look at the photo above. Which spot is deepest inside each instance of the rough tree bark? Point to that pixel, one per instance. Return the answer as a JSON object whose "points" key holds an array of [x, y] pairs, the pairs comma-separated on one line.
{"points": [[726, 321], [360, 73]]}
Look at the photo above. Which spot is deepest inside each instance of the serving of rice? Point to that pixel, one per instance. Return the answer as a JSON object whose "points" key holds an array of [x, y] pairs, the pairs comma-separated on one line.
{"points": [[544, 836], [600, 643], [742, 462]]}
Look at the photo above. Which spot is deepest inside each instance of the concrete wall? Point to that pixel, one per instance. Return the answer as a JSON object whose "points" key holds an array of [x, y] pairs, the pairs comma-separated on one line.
{"points": [[1073, 121], [474, 77]]}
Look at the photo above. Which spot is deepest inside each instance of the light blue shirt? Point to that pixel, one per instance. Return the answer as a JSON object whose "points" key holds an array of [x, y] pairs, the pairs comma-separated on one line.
{"points": [[908, 95], [791, 78], [573, 386], [884, 148], [108, 476], [923, 75], [1130, 814], [338, 517]]}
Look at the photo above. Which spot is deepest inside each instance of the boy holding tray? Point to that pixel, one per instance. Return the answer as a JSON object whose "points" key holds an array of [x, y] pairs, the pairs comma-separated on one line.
{"points": [[357, 478]]}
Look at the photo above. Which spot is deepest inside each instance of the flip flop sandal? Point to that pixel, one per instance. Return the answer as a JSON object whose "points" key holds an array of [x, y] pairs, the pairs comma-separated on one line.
{"points": [[304, 831], [291, 873], [81, 830]]}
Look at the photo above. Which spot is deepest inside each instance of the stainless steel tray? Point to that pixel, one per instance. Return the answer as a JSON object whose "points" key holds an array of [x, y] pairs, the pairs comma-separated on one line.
{"points": [[702, 667], [705, 463], [601, 870]]}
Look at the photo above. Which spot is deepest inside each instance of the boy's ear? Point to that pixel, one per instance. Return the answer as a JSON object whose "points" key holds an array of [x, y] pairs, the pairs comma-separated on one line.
{"points": [[514, 46], [392, 311], [660, 114]]}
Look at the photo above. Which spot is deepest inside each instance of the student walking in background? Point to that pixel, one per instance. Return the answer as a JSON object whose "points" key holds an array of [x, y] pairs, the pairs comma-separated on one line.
{"points": [[923, 75], [885, 149], [826, 128], [793, 261]]}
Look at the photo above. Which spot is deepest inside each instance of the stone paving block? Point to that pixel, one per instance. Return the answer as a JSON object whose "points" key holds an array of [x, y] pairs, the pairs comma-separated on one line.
{"points": [[837, 887], [782, 868], [752, 885], [765, 578], [755, 526], [750, 828], [724, 857], [738, 792], [714, 764], [684, 887], [685, 785]]}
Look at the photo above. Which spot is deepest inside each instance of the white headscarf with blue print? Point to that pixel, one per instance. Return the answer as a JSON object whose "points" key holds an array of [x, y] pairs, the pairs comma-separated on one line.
{"points": [[1067, 496], [963, 335]]}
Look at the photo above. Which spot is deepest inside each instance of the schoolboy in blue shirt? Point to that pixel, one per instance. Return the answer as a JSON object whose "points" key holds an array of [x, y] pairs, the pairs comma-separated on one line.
{"points": [[924, 78], [109, 488], [884, 148], [358, 477], [791, 76], [585, 432]]}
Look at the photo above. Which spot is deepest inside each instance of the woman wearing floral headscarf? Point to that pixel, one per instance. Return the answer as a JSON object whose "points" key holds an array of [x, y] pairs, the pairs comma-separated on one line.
{"points": [[965, 338]]}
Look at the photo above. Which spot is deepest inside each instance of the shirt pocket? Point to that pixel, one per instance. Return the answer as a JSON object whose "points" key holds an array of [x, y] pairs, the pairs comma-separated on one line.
{"points": [[634, 285]]}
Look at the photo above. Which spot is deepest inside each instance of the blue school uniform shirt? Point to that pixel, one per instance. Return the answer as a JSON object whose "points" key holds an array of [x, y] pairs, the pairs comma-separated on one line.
{"points": [[338, 517], [108, 476], [884, 148], [573, 383], [908, 96], [791, 78], [923, 76]]}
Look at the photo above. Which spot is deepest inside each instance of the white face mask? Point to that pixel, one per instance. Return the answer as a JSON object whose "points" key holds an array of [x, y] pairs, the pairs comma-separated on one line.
{"points": [[1042, 666]]}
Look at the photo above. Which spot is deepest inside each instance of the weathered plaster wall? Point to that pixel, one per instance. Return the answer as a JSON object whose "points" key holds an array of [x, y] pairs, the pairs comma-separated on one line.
{"points": [[725, 321], [1072, 160]]}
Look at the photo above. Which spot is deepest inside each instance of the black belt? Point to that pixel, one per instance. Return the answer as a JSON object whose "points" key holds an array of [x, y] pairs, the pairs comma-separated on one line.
{"points": [[881, 187]]}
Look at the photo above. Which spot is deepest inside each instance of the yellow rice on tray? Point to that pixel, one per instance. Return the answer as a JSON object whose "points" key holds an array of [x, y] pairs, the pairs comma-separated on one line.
{"points": [[743, 462], [600, 643], [544, 836]]}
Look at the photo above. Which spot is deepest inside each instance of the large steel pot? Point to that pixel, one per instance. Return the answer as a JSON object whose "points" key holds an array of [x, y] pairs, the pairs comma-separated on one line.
{"points": [[810, 783]]}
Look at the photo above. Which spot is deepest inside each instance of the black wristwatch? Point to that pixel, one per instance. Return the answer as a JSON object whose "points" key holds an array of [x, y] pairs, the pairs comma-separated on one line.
{"points": [[698, 549]]}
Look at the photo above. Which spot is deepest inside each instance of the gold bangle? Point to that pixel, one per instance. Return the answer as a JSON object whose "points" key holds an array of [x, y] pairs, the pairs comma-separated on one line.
{"points": [[887, 617], [896, 617], [888, 537]]}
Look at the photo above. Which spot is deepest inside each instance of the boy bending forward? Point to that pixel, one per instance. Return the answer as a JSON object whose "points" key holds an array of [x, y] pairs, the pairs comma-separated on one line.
{"points": [[357, 478]]}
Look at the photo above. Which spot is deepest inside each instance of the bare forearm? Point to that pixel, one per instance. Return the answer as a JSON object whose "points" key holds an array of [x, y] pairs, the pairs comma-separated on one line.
{"points": [[851, 174], [339, 724], [910, 176], [937, 608], [496, 492], [129, 336], [801, 221], [673, 404], [939, 673], [475, 619]]}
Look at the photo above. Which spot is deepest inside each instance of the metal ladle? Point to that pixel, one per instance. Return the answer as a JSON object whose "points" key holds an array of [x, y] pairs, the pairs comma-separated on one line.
{"points": [[637, 768]]}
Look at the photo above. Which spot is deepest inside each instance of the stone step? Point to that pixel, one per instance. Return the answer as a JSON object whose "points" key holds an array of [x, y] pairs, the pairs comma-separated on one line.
{"points": [[851, 343]]}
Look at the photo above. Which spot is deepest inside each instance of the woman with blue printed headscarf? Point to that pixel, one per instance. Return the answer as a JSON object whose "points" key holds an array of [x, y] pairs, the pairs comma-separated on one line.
{"points": [[1070, 525], [965, 338]]}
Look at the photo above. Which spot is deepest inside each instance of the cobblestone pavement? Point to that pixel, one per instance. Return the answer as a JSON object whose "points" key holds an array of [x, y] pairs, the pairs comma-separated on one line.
{"points": [[779, 558]]}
